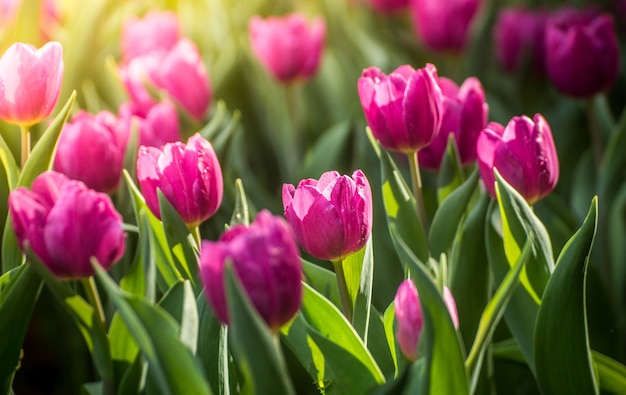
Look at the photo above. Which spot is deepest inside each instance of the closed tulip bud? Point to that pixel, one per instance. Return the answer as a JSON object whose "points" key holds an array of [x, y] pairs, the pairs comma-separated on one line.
{"points": [[444, 25], [390, 6], [66, 224], [408, 312], [403, 109], [30, 82], [158, 124], [582, 54], [189, 176], [91, 150], [265, 258], [524, 154], [330, 218], [465, 113], [288, 47], [156, 32]]}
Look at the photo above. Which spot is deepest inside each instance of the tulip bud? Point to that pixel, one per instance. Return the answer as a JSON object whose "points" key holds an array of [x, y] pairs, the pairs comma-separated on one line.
{"points": [[265, 258], [444, 25], [465, 113], [158, 124], [330, 218], [403, 109], [30, 82], [524, 154], [408, 312], [570, 39], [288, 48], [65, 224], [189, 176], [91, 150], [389, 6], [156, 32]]}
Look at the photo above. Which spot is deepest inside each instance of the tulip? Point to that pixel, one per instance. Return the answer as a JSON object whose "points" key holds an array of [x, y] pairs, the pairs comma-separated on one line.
{"points": [[91, 150], [330, 218], [408, 312], [66, 224], [519, 37], [524, 154], [465, 113], [265, 258], [30, 82], [288, 47], [390, 6], [156, 32], [444, 25], [180, 72], [157, 124], [582, 54], [403, 109], [189, 176]]}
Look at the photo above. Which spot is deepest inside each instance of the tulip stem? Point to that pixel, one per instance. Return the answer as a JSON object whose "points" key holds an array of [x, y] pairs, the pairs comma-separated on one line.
{"points": [[594, 131], [417, 189], [91, 291], [25, 132], [344, 295], [195, 233]]}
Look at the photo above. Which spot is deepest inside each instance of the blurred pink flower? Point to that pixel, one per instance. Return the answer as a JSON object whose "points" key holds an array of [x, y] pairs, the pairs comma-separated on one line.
{"points": [[156, 32], [157, 124], [389, 6]]}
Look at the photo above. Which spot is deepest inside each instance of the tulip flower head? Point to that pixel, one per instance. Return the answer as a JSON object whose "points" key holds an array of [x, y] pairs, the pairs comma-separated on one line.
{"points": [[408, 312], [91, 149], [444, 25], [524, 154], [66, 224], [266, 260], [331, 218], [156, 32], [30, 82], [158, 124], [389, 6], [465, 113], [403, 109], [582, 53], [189, 176], [288, 47]]}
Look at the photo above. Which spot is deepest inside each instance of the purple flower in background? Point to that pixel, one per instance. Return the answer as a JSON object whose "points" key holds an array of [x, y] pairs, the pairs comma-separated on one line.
{"points": [[156, 32], [331, 218], [66, 224], [524, 154], [157, 125], [266, 260]]}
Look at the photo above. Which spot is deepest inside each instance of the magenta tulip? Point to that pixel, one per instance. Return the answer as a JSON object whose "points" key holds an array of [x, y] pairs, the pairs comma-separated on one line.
{"points": [[330, 218], [389, 6], [403, 109], [189, 176], [465, 113], [30, 82], [288, 47], [524, 154], [444, 25], [66, 224], [409, 316], [265, 258], [91, 150], [157, 124], [156, 32], [582, 53]]}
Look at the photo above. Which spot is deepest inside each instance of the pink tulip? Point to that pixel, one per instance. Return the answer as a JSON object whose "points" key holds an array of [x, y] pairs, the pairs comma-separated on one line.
{"points": [[189, 176], [156, 32], [465, 113], [66, 224], [30, 82], [91, 150], [265, 258], [389, 6], [288, 47], [524, 154], [157, 126], [403, 109], [330, 218]]}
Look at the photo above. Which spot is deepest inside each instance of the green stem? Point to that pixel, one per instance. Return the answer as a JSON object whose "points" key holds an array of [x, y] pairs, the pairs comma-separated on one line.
{"points": [[594, 134], [417, 189], [89, 284], [195, 233], [25, 132], [344, 295]]}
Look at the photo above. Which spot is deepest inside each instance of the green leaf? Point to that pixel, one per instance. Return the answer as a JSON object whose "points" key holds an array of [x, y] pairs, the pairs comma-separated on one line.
{"points": [[359, 270], [221, 127], [611, 373], [450, 213], [140, 278], [518, 221], [241, 213], [261, 367], [213, 348], [562, 355], [450, 175], [180, 302], [444, 360], [379, 346], [40, 160], [171, 365], [328, 149], [8, 164], [323, 280]]}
